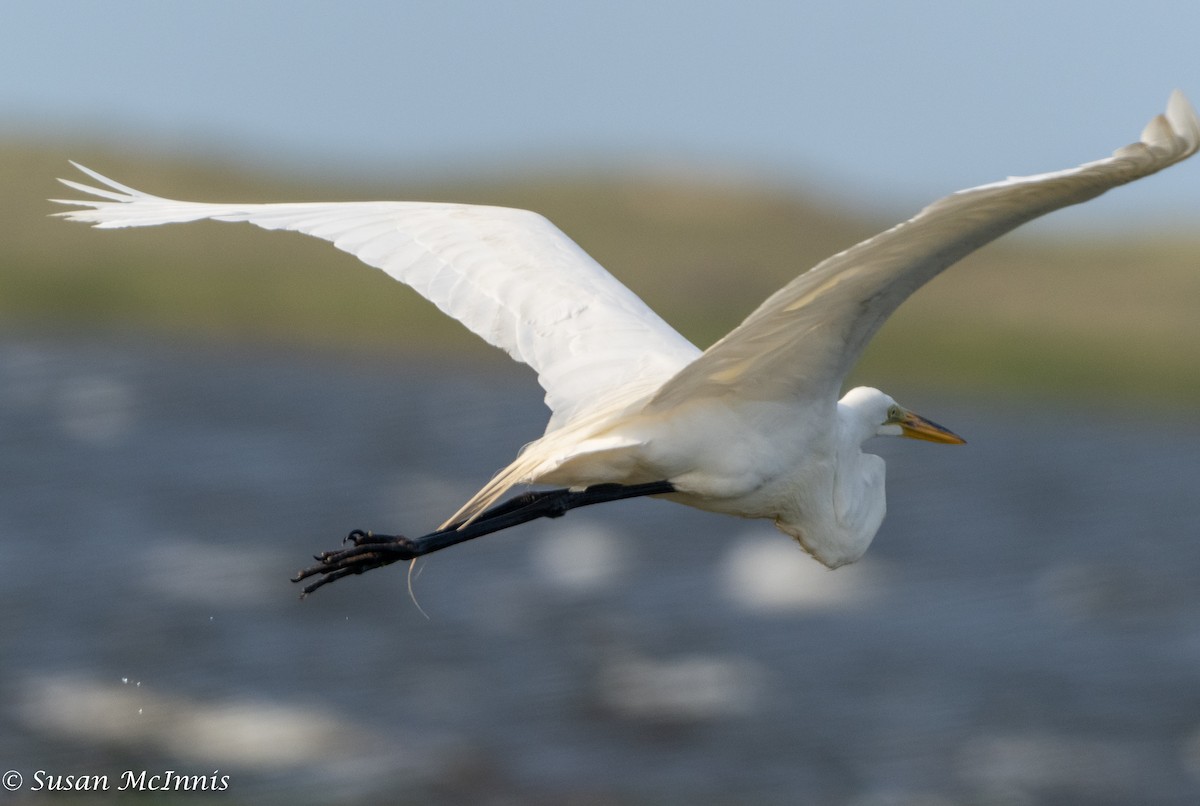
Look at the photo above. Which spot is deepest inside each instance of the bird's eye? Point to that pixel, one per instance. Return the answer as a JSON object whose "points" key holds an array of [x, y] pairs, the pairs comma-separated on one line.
{"points": [[893, 413]]}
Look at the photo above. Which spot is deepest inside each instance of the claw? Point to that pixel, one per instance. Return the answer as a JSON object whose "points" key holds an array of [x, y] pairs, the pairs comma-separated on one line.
{"points": [[368, 551], [360, 538]]}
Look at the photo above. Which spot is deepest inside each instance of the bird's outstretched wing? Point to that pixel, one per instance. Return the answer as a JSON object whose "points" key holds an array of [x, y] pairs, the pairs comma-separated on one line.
{"points": [[803, 340], [508, 275]]}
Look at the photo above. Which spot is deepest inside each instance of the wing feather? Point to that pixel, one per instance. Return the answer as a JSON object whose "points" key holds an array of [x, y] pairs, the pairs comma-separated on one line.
{"points": [[508, 275]]}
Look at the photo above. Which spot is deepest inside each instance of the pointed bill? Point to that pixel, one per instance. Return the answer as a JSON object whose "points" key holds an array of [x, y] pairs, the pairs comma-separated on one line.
{"points": [[915, 426]]}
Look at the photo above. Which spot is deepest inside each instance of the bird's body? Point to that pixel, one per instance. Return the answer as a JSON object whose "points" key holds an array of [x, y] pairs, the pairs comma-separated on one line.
{"points": [[752, 426], [754, 459]]}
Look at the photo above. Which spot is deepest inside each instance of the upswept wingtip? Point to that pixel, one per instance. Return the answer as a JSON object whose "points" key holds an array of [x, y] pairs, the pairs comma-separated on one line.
{"points": [[1184, 120], [1172, 136]]}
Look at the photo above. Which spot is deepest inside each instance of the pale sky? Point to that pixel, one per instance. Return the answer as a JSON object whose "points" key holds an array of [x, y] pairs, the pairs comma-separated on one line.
{"points": [[893, 103]]}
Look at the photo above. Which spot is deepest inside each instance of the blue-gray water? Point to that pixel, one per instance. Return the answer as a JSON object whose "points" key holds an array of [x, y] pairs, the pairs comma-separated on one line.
{"points": [[1025, 629]]}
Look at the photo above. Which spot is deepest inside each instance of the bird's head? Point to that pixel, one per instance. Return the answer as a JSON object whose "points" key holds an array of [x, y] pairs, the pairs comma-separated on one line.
{"points": [[871, 413]]}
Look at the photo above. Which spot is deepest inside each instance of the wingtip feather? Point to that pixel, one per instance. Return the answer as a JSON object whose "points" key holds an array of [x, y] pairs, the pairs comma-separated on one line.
{"points": [[1173, 135], [113, 205], [1184, 120], [104, 194], [104, 180]]}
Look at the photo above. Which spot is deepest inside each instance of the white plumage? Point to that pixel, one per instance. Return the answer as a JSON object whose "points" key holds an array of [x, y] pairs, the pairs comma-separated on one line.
{"points": [[752, 426]]}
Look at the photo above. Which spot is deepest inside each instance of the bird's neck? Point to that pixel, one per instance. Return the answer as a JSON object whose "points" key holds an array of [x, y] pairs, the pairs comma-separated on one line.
{"points": [[853, 428]]}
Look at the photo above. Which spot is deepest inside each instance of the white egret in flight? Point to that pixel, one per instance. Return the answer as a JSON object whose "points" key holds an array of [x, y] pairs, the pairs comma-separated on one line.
{"points": [[752, 426]]}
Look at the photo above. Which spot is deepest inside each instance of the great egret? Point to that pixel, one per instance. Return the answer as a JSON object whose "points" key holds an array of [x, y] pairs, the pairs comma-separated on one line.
{"points": [[752, 426]]}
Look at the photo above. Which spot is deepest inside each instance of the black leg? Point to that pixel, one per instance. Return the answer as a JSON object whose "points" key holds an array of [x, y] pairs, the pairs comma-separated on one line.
{"points": [[374, 551]]}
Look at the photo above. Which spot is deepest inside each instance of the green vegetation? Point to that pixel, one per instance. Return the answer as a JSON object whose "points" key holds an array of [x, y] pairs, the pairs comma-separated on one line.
{"points": [[1115, 317]]}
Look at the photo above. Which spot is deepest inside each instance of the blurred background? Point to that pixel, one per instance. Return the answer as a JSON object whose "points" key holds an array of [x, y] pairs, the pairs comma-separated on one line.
{"points": [[188, 413]]}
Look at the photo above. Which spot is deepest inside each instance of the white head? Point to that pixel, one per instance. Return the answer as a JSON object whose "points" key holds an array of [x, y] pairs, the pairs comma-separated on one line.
{"points": [[867, 412]]}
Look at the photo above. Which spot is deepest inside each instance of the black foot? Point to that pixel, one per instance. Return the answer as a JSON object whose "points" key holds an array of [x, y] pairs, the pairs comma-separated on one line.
{"points": [[369, 551]]}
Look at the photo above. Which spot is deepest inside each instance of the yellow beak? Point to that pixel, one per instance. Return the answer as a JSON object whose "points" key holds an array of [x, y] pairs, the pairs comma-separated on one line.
{"points": [[915, 426]]}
